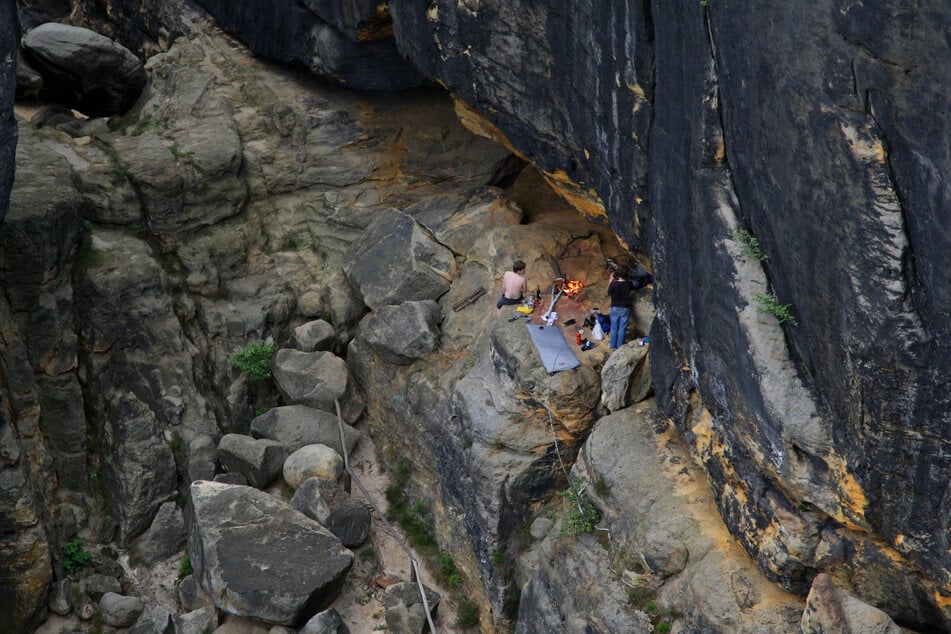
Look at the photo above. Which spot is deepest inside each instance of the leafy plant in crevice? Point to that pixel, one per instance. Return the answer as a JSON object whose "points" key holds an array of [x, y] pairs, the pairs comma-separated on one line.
{"points": [[769, 303], [749, 244], [467, 614], [580, 514], [185, 567], [75, 556], [254, 359]]}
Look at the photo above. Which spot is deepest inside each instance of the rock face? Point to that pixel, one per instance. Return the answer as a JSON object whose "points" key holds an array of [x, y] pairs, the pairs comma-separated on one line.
{"points": [[9, 37], [259, 558], [813, 415], [84, 70], [403, 333], [297, 425], [324, 501], [397, 260], [290, 31]]}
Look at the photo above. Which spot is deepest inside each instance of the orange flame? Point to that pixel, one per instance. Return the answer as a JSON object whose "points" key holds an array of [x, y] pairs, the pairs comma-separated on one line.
{"points": [[572, 287]]}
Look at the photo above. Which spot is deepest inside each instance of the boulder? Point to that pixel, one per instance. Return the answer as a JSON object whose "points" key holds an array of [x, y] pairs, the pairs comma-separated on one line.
{"points": [[200, 621], [297, 425], [327, 622], [84, 70], [120, 611], [202, 458], [164, 537], [403, 333], [397, 260], [191, 595], [315, 379], [97, 585], [59, 597], [155, 621], [326, 502], [312, 461], [259, 558], [626, 377], [259, 460], [405, 613], [312, 336], [231, 478], [829, 608]]}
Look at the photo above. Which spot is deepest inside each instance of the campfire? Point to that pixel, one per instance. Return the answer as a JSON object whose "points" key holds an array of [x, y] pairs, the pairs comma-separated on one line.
{"points": [[572, 287]]}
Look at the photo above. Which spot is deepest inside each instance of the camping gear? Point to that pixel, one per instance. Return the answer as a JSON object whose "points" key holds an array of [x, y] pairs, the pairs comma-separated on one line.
{"points": [[578, 336], [570, 322], [525, 309], [553, 350], [550, 318], [468, 299], [596, 332]]}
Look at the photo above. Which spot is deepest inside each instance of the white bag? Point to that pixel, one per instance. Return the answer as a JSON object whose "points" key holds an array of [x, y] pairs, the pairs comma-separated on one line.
{"points": [[597, 333]]}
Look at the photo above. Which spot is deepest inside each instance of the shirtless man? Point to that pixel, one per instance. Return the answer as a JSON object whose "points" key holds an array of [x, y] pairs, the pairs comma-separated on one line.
{"points": [[513, 286]]}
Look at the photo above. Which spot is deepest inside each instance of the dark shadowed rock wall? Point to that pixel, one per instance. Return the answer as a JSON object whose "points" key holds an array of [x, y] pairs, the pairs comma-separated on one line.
{"points": [[820, 130], [9, 41]]}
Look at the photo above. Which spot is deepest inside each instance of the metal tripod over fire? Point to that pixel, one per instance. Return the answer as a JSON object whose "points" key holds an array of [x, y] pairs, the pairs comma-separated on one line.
{"points": [[562, 286]]}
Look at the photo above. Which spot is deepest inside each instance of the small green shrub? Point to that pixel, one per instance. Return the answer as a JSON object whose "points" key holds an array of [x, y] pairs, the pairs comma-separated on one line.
{"points": [[179, 153], [580, 516], [448, 573], [368, 554], [255, 359], [769, 303], [498, 558], [749, 244], [185, 567], [75, 556], [467, 615], [663, 627], [262, 410], [139, 230]]}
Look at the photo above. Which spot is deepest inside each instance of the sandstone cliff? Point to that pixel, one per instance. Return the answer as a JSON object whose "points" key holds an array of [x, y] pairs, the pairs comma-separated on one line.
{"points": [[225, 206]]}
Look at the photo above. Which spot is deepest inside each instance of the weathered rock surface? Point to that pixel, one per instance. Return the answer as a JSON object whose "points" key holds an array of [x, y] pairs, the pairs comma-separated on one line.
{"points": [[691, 563], [258, 459], [290, 32], [312, 461], [405, 332], [164, 538], [197, 621], [625, 377], [9, 40], [158, 620], [297, 425], [120, 611], [84, 70], [326, 502], [242, 540], [315, 379], [397, 260], [312, 336], [405, 611], [326, 622], [191, 595], [829, 609]]}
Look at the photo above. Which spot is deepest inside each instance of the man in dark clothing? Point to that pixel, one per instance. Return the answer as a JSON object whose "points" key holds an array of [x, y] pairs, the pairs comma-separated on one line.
{"points": [[620, 289]]}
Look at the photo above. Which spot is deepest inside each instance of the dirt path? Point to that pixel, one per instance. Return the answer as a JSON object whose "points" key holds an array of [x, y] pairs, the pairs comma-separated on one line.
{"points": [[361, 601]]}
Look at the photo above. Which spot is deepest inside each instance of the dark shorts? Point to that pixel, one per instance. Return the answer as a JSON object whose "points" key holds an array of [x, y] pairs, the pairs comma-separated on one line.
{"points": [[505, 301]]}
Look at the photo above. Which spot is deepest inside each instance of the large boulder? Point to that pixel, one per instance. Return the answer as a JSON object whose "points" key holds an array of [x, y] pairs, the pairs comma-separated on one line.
{"points": [[405, 610], [120, 611], [200, 621], [625, 377], [314, 335], [405, 332], [397, 260], [357, 19], [257, 459], [297, 425], [326, 622], [259, 558], [84, 70], [164, 537], [158, 620], [326, 502], [312, 461], [831, 609], [315, 379]]}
